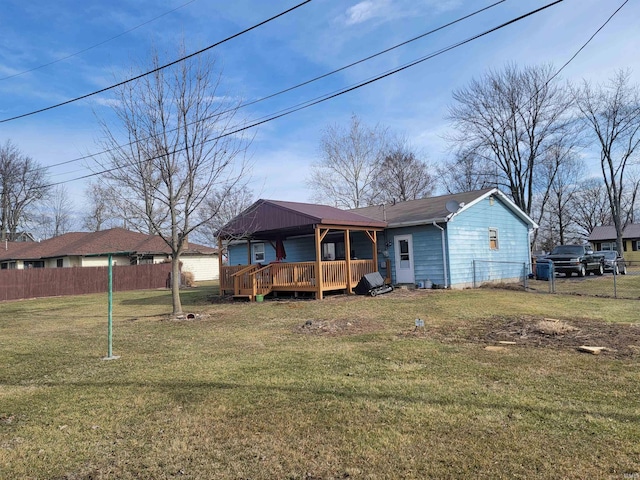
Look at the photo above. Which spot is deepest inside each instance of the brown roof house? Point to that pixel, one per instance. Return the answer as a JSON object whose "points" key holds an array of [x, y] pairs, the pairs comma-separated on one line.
{"points": [[91, 249]]}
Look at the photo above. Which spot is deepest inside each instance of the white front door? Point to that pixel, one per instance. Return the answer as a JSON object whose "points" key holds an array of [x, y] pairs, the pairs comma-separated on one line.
{"points": [[404, 259]]}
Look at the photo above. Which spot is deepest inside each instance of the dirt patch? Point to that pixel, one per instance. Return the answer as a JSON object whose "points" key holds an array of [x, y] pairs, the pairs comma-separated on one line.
{"points": [[337, 327], [618, 339]]}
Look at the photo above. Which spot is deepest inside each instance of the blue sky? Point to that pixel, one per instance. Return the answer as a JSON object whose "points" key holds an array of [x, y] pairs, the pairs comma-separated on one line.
{"points": [[314, 39]]}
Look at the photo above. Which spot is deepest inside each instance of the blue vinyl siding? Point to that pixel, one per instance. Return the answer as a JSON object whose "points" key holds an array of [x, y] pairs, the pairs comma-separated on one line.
{"points": [[468, 240], [427, 252], [301, 249]]}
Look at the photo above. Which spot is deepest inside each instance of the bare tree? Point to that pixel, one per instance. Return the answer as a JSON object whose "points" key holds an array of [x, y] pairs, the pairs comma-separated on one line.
{"points": [[219, 209], [172, 147], [612, 114], [22, 183], [590, 206], [554, 210], [101, 210], [509, 120], [345, 175], [467, 172], [402, 175], [54, 214]]}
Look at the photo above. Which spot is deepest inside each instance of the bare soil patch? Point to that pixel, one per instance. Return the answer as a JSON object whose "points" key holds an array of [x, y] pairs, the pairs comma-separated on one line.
{"points": [[618, 339], [337, 327]]}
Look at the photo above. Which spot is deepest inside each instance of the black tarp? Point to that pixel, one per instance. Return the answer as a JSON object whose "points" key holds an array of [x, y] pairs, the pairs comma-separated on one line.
{"points": [[369, 282]]}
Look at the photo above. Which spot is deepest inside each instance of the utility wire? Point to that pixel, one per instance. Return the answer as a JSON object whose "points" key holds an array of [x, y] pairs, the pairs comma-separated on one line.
{"points": [[137, 77], [79, 52], [330, 96], [289, 89]]}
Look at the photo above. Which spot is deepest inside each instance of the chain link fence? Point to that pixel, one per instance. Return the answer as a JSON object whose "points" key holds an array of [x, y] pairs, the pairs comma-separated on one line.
{"points": [[621, 280]]}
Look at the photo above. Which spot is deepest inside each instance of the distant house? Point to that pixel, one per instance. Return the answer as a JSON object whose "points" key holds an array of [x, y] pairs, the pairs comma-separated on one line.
{"points": [[604, 238], [452, 240], [91, 249], [456, 241]]}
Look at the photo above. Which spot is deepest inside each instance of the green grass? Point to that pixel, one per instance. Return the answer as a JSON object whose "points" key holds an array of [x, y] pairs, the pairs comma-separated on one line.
{"points": [[247, 391]]}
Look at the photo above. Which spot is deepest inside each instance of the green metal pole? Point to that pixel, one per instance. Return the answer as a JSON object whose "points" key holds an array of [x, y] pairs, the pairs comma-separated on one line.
{"points": [[110, 320]]}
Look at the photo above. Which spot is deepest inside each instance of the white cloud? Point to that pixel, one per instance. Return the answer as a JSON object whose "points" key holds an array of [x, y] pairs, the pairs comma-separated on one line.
{"points": [[366, 10]]}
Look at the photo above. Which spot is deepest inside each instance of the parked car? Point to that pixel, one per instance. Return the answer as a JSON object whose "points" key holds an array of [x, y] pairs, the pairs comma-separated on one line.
{"points": [[613, 262], [579, 259]]}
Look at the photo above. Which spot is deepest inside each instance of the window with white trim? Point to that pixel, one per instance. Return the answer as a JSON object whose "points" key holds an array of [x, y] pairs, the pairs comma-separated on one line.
{"points": [[258, 252], [493, 239]]}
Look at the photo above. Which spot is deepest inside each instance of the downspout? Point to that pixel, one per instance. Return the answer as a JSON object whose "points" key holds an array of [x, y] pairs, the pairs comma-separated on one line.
{"points": [[444, 255]]}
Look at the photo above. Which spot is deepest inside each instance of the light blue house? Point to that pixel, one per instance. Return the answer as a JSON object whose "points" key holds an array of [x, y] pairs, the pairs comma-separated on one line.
{"points": [[455, 241], [452, 241]]}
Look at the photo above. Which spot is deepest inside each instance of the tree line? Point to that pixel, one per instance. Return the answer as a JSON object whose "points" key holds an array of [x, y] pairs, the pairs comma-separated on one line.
{"points": [[175, 165], [521, 130]]}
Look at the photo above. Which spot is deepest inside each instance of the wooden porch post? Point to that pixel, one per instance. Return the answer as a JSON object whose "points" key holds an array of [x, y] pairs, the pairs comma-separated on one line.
{"points": [[248, 251], [318, 263], [374, 241], [220, 266], [347, 250]]}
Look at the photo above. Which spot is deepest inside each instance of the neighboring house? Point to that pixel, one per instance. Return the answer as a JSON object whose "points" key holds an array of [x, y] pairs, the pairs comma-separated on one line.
{"points": [[91, 249], [604, 238], [456, 241], [452, 240]]}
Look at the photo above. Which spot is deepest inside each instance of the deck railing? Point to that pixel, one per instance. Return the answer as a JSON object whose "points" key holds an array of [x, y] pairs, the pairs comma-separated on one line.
{"points": [[295, 276], [226, 276], [298, 274], [360, 268]]}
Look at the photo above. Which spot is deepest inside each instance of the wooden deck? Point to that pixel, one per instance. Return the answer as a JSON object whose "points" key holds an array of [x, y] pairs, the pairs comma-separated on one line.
{"points": [[251, 280]]}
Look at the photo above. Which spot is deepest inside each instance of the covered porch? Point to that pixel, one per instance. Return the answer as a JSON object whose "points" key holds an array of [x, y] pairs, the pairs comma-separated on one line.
{"points": [[322, 242]]}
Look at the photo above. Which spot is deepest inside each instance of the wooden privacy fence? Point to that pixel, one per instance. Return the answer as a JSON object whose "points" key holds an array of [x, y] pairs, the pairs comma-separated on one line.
{"points": [[53, 282]]}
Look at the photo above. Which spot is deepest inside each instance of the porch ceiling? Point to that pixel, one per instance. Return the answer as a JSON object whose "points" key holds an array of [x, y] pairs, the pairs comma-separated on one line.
{"points": [[270, 219]]}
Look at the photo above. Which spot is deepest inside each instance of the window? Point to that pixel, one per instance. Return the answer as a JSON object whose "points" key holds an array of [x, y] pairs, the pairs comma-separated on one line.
{"points": [[258, 252], [60, 263], [493, 238], [145, 260], [634, 245], [333, 251], [607, 246], [34, 264]]}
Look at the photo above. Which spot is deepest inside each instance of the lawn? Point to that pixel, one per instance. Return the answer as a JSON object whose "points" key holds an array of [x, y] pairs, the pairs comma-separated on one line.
{"points": [[346, 387]]}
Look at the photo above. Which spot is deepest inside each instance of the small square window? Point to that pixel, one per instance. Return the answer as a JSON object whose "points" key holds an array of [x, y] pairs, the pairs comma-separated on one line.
{"points": [[493, 238], [60, 263]]}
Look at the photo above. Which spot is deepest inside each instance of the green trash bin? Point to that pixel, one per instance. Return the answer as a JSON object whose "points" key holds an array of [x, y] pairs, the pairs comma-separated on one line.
{"points": [[259, 298]]}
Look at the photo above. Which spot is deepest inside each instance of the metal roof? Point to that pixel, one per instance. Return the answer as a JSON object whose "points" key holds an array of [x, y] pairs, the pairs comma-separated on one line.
{"points": [[267, 219], [608, 232]]}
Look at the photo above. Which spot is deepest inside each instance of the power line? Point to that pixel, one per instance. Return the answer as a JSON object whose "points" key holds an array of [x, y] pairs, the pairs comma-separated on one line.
{"points": [[79, 52], [137, 77], [299, 85], [336, 94]]}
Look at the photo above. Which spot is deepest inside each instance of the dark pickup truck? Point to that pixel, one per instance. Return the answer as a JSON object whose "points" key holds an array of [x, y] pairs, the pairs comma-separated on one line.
{"points": [[569, 259]]}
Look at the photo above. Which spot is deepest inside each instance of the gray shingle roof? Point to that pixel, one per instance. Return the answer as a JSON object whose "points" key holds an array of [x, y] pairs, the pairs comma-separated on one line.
{"points": [[608, 232], [427, 210]]}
